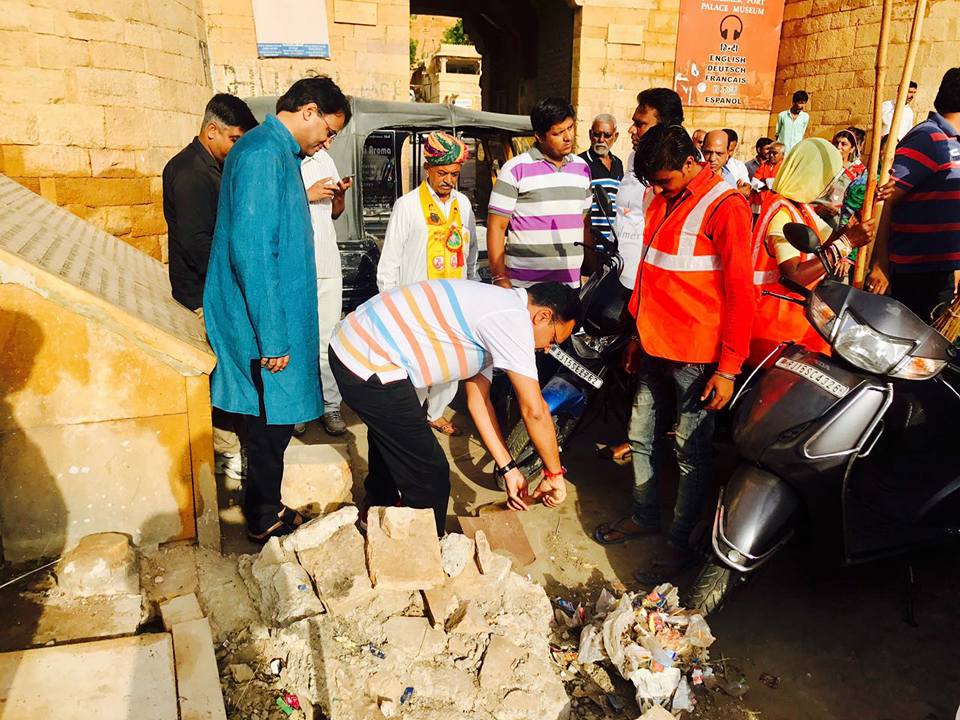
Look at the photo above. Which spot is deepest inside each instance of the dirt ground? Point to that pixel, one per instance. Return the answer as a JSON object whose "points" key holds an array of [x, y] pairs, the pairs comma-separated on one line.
{"points": [[836, 637]]}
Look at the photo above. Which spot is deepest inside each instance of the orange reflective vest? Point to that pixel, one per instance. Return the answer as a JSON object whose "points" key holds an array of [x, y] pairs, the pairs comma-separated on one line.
{"points": [[777, 320], [678, 296]]}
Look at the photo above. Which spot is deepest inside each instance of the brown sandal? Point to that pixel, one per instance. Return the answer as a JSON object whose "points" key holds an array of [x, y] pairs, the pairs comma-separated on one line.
{"points": [[288, 521], [445, 426]]}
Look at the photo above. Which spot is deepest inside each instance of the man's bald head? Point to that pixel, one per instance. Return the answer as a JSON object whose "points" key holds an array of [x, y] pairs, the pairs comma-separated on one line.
{"points": [[716, 149]]}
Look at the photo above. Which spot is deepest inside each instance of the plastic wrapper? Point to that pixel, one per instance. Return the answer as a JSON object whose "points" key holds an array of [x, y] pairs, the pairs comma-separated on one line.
{"points": [[636, 656], [682, 699], [591, 646], [655, 688], [698, 632], [605, 604], [615, 624]]}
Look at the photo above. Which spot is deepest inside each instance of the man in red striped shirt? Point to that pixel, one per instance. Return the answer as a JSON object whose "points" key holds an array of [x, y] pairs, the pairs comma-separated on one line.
{"points": [[918, 241]]}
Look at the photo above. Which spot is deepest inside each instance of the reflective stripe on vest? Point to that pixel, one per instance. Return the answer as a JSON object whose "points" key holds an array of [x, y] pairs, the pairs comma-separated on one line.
{"points": [[684, 260], [765, 277]]}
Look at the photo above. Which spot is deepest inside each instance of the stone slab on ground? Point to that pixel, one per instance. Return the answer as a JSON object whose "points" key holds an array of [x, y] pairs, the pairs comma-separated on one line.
{"points": [[168, 572], [505, 533], [456, 551], [413, 637], [499, 661], [316, 478], [315, 532], [100, 564], [180, 609], [490, 563], [198, 678], [122, 678], [223, 594], [403, 551], [339, 571]]}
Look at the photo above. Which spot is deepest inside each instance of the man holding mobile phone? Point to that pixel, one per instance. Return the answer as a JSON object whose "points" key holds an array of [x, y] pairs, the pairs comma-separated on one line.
{"points": [[326, 193]]}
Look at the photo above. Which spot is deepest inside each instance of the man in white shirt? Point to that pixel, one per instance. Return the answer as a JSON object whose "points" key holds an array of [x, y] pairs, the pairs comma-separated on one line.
{"points": [[716, 151], [432, 235], [326, 194], [906, 117]]}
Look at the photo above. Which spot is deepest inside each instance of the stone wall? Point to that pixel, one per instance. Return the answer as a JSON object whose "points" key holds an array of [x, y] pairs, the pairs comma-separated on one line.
{"points": [[829, 49], [369, 50], [97, 96], [427, 31], [621, 47]]}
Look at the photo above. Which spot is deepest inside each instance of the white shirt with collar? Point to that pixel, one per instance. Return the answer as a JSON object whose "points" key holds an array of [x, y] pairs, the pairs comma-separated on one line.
{"points": [[633, 199], [737, 171], [403, 260], [906, 119], [312, 169]]}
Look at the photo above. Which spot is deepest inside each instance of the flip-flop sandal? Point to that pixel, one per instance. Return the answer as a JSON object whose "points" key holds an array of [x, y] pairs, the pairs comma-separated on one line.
{"points": [[606, 453], [599, 535], [445, 427], [288, 520]]}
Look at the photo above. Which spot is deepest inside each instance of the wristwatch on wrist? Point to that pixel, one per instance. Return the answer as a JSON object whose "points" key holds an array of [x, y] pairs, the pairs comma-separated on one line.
{"points": [[502, 471]]}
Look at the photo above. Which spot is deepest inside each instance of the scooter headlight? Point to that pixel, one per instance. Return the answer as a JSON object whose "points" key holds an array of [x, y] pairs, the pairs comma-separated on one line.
{"points": [[868, 349], [588, 346]]}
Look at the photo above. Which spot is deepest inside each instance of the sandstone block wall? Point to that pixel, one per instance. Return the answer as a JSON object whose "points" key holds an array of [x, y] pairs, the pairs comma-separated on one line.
{"points": [[829, 49], [369, 50], [621, 47], [97, 96]]}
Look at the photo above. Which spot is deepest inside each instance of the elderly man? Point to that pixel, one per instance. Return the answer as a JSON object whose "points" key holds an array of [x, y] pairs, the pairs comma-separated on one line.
{"points": [[260, 296], [697, 137], [606, 169], [716, 152], [431, 235]]}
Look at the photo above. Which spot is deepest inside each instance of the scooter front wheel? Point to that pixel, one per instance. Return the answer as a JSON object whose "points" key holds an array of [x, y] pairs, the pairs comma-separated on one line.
{"points": [[525, 454], [712, 587]]}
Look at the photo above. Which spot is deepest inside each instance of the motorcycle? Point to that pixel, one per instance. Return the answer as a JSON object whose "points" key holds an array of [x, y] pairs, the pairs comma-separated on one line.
{"points": [[857, 448], [589, 356]]}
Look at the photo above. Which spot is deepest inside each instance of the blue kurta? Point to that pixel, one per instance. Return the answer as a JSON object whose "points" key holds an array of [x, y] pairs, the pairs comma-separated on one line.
{"points": [[260, 298]]}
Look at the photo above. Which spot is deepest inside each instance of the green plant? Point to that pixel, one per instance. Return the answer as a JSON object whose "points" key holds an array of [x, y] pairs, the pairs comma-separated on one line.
{"points": [[413, 52], [455, 35]]}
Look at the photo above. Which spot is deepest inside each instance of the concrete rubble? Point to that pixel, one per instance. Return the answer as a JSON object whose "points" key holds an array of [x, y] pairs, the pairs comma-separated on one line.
{"points": [[393, 625]]}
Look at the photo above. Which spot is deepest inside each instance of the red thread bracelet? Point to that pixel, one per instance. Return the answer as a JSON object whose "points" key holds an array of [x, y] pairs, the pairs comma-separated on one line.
{"points": [[550, 476]]}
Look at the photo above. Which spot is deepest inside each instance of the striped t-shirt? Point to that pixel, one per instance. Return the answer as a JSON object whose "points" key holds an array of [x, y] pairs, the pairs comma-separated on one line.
{"points": [[438, 331], [925, 224], [607, 182], [546, 205]]}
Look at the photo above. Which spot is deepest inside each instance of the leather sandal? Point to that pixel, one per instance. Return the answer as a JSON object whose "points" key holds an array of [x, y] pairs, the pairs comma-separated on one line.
{"points": [[444, 426]]}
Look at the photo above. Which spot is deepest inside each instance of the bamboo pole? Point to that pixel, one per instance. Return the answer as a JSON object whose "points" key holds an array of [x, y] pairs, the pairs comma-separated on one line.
{"points": [[863, 255], [891, 147]]}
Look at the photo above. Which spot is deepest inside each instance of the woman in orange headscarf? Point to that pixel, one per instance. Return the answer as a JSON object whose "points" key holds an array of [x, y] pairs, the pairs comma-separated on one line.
{"points": [[806, 172]]}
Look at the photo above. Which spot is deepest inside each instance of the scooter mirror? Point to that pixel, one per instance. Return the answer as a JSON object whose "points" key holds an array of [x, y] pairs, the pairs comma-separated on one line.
{"points": [[801, 237]]}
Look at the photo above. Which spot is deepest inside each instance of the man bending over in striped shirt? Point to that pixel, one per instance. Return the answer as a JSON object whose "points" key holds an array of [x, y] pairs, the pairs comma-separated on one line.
{"points": [[543, 195], [439, 331]]}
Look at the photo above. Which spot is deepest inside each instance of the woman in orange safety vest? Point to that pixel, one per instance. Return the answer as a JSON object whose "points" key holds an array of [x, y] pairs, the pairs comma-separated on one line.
{"points": [[807, 170]]}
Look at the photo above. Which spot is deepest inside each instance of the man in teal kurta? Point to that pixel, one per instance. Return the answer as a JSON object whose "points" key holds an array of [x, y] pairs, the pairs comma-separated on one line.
{"points": [[260, 299]]}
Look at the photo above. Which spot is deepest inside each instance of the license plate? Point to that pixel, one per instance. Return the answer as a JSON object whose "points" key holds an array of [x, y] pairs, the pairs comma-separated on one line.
{"points": [[815, 376]]}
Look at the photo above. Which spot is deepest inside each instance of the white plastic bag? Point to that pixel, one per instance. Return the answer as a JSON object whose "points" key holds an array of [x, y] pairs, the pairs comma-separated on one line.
{"points": [[605, 603], [614, 626], [681, 698], [655, 687], [698, 632], [591, 646]]}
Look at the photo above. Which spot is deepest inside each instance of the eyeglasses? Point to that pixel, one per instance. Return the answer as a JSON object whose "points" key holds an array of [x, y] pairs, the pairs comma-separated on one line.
{"points": [[331, 133]]}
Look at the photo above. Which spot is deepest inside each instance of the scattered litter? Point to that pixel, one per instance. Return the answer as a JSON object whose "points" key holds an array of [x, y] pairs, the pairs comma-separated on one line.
{"points": [[407, 694], [292, 700], [735, 688], [276, 665], [375, 651], [284, 707], [653, 642], [616, 702], [158, 579], [771, 681]]}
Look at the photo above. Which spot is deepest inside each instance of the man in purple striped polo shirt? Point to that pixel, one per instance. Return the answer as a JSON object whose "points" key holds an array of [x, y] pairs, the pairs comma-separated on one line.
{"points": [[918, 242], [543, 196]]}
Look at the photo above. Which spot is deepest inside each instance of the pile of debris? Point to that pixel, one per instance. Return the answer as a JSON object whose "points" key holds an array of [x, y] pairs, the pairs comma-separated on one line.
{"points": [[652, 642], [397, 624]]}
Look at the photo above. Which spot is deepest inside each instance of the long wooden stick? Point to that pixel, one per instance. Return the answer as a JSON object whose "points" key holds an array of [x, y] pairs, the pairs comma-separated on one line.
{"points": [[863, 255], [890, 148]]}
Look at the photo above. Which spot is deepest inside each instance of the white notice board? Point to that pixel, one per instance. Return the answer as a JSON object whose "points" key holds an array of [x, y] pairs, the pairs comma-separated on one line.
{"points": [[291, 28]]}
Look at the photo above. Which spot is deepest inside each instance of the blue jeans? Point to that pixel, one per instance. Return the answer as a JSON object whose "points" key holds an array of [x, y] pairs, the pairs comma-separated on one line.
{"points": [[650, 419]]}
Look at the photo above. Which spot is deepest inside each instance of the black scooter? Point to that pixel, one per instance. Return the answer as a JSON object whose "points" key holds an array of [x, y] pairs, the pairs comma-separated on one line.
{"points": [[858, 447]]}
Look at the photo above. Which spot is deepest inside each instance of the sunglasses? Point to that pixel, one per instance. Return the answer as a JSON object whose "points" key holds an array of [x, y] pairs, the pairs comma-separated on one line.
{"points": [[604, 135]]}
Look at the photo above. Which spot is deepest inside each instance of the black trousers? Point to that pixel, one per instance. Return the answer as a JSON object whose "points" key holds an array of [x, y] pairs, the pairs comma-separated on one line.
{"points": [[405, 460], [264, 446], [923, 291]]}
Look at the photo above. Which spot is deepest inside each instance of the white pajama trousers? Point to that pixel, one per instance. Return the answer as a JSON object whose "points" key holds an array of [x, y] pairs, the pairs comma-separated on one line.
{"points": [[329, 310]]}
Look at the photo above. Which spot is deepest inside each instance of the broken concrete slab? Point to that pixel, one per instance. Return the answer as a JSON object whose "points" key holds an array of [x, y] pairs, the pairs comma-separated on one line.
{"points": [[288, 593], [505, 533], [100, 564], [316, 478], [274, 552], [180, 609], [456, 551], [499, 662], [496, 566], [62, 619], [121, 678], [222, 594], [403, 552], [440, 604], [413, 637], [339, 571], [315, 532], [468, 620], [198, 679]]}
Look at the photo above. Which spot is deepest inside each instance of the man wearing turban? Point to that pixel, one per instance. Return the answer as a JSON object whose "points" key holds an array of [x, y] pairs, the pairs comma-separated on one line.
{"points": [[432, 235]]}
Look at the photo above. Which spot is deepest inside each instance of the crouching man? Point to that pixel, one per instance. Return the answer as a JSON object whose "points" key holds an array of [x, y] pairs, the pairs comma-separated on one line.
{"points": [[440, 331]]}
